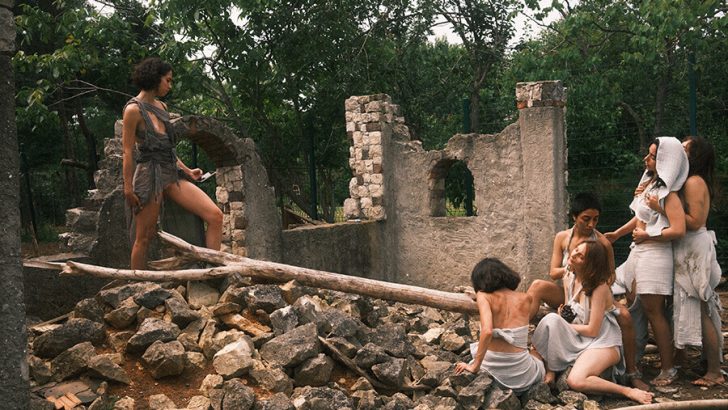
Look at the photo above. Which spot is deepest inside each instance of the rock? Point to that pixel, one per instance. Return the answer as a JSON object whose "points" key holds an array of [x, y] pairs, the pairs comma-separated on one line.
{"points": [[210, 382], [144, 314], [502, 399], [591, 405], [72, 362], [452, 342], [445, 390], [40, 371], [150, 331], [415, 371], [336, 323], [114, 296], [399, 401], [278, 401], [39, 403], [125, 403], [369, 355], [433, 335], [320, 398], [561, 383], [537, 405], [51, 343], [201, 294], [273, 379], [224, 338], [119, 340], [160, 402], [292, 348], [431, 401], [346, 347], [238, 396], [194, 361], [235, 295], [262, 339], [472, 396], [361, 384], [222, 309], [458, 381], [89, 309], [180, 312], [264, 297], [307, 309], [391, 372], [216, 396], [124, 315], [315, 371], [435, 370], [284, 319], [366, 400], [393, 339], [198, 403], [234, 359], [570, 398], [152, 296], [104, 367], [206, 338], [164, 359], [539, 392]]}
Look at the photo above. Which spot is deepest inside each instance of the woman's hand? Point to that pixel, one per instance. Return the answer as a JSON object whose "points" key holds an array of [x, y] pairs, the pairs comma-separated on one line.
{"points": [[639, 235], [460, 367], [611, 236], [194, 174], [654, 203], [132, 199]]}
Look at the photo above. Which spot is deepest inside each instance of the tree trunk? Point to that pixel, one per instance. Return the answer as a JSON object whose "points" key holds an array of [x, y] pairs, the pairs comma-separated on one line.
{"points": [[90, 146], [69, 152], [278, 272]]}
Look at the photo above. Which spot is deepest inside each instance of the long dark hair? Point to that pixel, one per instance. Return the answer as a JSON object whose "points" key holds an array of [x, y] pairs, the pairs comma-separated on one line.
{"points": [[491, 274], [658, 181], [701, 157], [596, 267]]}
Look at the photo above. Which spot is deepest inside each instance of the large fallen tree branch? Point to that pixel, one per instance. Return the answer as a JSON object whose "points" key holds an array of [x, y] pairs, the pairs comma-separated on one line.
{"points": [[279, 272]]}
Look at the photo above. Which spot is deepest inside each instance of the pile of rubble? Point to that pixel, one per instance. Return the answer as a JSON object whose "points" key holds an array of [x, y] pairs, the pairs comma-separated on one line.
{"points": [[268, 346]]}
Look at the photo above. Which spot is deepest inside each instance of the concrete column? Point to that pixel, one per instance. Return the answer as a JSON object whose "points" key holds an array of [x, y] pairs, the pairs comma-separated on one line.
{"points": [[542, 126], [13, 367]]}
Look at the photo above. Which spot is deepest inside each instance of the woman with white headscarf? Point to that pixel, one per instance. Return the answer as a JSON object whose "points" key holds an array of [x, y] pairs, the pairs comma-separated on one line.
{"points": [[650, 261]]}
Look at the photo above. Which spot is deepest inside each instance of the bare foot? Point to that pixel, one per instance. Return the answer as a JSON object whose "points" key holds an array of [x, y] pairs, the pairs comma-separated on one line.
{"points": [[665, 378], [709, 381], [640, 396], [639, 384], [549, 377]]}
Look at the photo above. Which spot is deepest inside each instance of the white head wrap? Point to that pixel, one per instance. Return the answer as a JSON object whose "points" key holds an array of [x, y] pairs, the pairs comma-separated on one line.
{"points": [[672, 168]]}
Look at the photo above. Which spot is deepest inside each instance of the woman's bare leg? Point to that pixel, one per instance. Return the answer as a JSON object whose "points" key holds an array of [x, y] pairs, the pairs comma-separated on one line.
{"points": [[194, 200], [624, 319], [654, 307], [145, 224], [584, 376], [710, 349], [544, 291]]}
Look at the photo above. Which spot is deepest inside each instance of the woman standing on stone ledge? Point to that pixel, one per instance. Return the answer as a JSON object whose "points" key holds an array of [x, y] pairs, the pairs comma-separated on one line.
{"points": [[148, 141]]}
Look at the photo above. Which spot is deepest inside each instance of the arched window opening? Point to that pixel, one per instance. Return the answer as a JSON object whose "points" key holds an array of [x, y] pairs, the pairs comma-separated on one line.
{"points": [[452, 192]]}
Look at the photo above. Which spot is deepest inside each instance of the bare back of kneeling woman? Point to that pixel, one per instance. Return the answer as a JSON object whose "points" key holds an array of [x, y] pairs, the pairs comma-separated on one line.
{"points": [[592, 341], [504, 314]]}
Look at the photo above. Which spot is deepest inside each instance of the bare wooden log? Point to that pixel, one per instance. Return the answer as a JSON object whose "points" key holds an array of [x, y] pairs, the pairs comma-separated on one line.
{"points": [[79, 269], [320, 279]]}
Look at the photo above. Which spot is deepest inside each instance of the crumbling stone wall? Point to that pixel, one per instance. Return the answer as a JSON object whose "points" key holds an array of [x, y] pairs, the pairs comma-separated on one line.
{"points": [[519, 179], [99, 228]]}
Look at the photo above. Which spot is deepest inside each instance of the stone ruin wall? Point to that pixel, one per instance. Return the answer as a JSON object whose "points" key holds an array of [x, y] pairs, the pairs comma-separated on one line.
{"points": [[397, 230]]}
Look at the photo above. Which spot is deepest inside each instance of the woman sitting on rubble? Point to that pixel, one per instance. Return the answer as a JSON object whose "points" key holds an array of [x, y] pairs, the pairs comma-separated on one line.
{"points": [[504, 315], [584, 333]]}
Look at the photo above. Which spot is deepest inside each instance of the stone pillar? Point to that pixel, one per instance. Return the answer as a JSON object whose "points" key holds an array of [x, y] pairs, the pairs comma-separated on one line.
{"points": [[13, 366], [370, 120], [541, 121], [230, 197]]}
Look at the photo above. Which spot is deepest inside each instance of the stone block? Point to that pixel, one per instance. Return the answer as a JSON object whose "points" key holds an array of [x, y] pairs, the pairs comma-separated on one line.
{"points": [[350, 126], [375, 151], [374, 126], [366, 202], [377, 179], [351, 209], [363, 191], [369, 166], [376, 190], [377, 213], [357, 137], [221, 194], [375, 137], [540, 94], [352, 105], [374, 106]]}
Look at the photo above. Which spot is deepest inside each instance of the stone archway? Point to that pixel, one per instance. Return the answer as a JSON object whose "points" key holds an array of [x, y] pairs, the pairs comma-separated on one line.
{"points": [[251, 225]]}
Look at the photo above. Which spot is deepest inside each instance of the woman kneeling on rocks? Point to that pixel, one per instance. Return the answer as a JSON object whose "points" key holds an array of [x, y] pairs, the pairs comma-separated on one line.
{"points": [[585, 334], [504, 315]]}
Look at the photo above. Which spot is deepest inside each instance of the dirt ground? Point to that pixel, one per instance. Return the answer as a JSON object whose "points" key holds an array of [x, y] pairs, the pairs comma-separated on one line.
{"points": [[180, 389]]}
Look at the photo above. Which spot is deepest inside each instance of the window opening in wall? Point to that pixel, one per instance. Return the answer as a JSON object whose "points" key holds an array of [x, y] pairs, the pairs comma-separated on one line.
{"points": [[452, 192]]}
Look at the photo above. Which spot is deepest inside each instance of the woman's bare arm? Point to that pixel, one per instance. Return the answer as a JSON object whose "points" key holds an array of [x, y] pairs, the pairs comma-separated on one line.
{"points": [[676, 216], [601, 298], [556, 271], [130, 121]]}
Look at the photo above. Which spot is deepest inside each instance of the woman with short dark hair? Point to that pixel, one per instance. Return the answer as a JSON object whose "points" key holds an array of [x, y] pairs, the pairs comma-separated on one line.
{"points": [[151, 169]]}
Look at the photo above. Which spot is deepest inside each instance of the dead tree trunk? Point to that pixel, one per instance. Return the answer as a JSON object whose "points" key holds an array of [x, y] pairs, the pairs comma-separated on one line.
{"points": [[279, 272]]}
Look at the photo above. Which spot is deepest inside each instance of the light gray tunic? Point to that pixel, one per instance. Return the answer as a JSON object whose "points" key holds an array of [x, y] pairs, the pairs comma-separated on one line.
{"points": [[697, 273], [516, 371], [560, 345]]}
